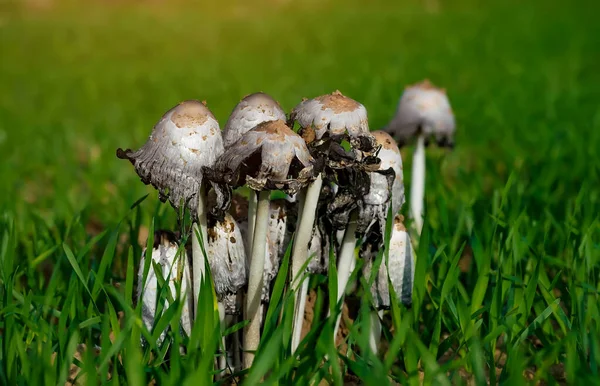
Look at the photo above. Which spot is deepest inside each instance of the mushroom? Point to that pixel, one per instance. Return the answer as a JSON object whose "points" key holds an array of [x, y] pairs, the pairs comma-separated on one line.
{"points": [[251, 111], [387, 185], [186, 139], [325, 122], [270, 156], [423, 111], [397, 267], [387, 189], [227, 260], [174, 268]]}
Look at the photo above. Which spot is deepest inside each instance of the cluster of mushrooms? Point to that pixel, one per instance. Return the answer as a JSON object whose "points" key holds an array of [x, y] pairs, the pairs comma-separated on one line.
{"points": [[339, 181]]}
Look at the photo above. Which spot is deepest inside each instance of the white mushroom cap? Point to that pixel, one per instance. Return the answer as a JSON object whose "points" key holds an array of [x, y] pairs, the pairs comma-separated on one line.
{"points": [[251, 111], [227, 260], [185, 139], [401, 264], [424, 108], [333, 113], [400, 267], [270, 156], [174, 268]]}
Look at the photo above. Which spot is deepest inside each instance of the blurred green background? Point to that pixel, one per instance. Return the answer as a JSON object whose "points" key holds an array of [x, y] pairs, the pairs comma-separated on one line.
{"points": [[79, 79]]}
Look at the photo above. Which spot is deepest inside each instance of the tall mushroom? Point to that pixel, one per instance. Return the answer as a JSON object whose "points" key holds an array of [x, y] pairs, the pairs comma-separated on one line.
{"points": [[325, 122], [423, 111], [251, 111], [174, 268], [398, 268], [186, 139], [387, 189], [270, 156]]}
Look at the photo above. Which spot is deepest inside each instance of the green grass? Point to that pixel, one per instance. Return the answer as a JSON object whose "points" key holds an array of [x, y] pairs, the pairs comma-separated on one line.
{"points": [[507, 278]]}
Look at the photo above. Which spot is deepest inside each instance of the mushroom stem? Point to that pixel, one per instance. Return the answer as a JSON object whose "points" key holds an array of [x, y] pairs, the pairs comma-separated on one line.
{"points": [[198, 256], [375, 333], [345, 263], [417, 187], [256, 279], [222, 365], [300, 307], [306, 222], [252, 203]]}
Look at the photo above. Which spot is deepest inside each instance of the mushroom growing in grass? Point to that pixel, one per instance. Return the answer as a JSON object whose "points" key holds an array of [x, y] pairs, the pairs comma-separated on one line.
{"points": [[186, 139], [174, 268], [269, 157], [251, 111], [387, 185], [278, 237], [398, 268], [387, 189], [325, 122], [423, 112], [227, 260]]}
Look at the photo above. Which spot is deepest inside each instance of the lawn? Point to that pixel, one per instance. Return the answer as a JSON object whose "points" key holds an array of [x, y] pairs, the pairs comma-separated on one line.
{"points": [[507, 280]]}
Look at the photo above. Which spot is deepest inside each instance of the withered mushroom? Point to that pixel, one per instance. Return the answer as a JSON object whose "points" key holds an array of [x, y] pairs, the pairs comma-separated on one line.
{"points": [[270, 156], [174, 268], [387, 189], [251, 111], [423, 112], [186, 139], [387, 185], [325, 122]]}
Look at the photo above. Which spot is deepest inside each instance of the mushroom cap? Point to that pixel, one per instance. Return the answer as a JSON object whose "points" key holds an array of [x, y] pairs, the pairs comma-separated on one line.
{"points": [[270, 156], [333, 113], [251, 111], [185, 139], [175, 267], [379, 192], [424, 108], [227, 257], [400, 267], [401, 264]]}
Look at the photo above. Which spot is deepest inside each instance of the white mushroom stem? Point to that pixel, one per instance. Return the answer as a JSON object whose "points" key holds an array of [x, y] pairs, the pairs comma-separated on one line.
{"points": [[252, 203], [256, 279], [222, 365], [306, 221], [375, 333], [417, 187], [198, 257], [345, 263]]}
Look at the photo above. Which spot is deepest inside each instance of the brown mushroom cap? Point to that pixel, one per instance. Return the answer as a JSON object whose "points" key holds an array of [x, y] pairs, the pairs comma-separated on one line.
{"points": [[251, 111], [185, 139], [423, 108], [270, 156], [333, 113]]}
